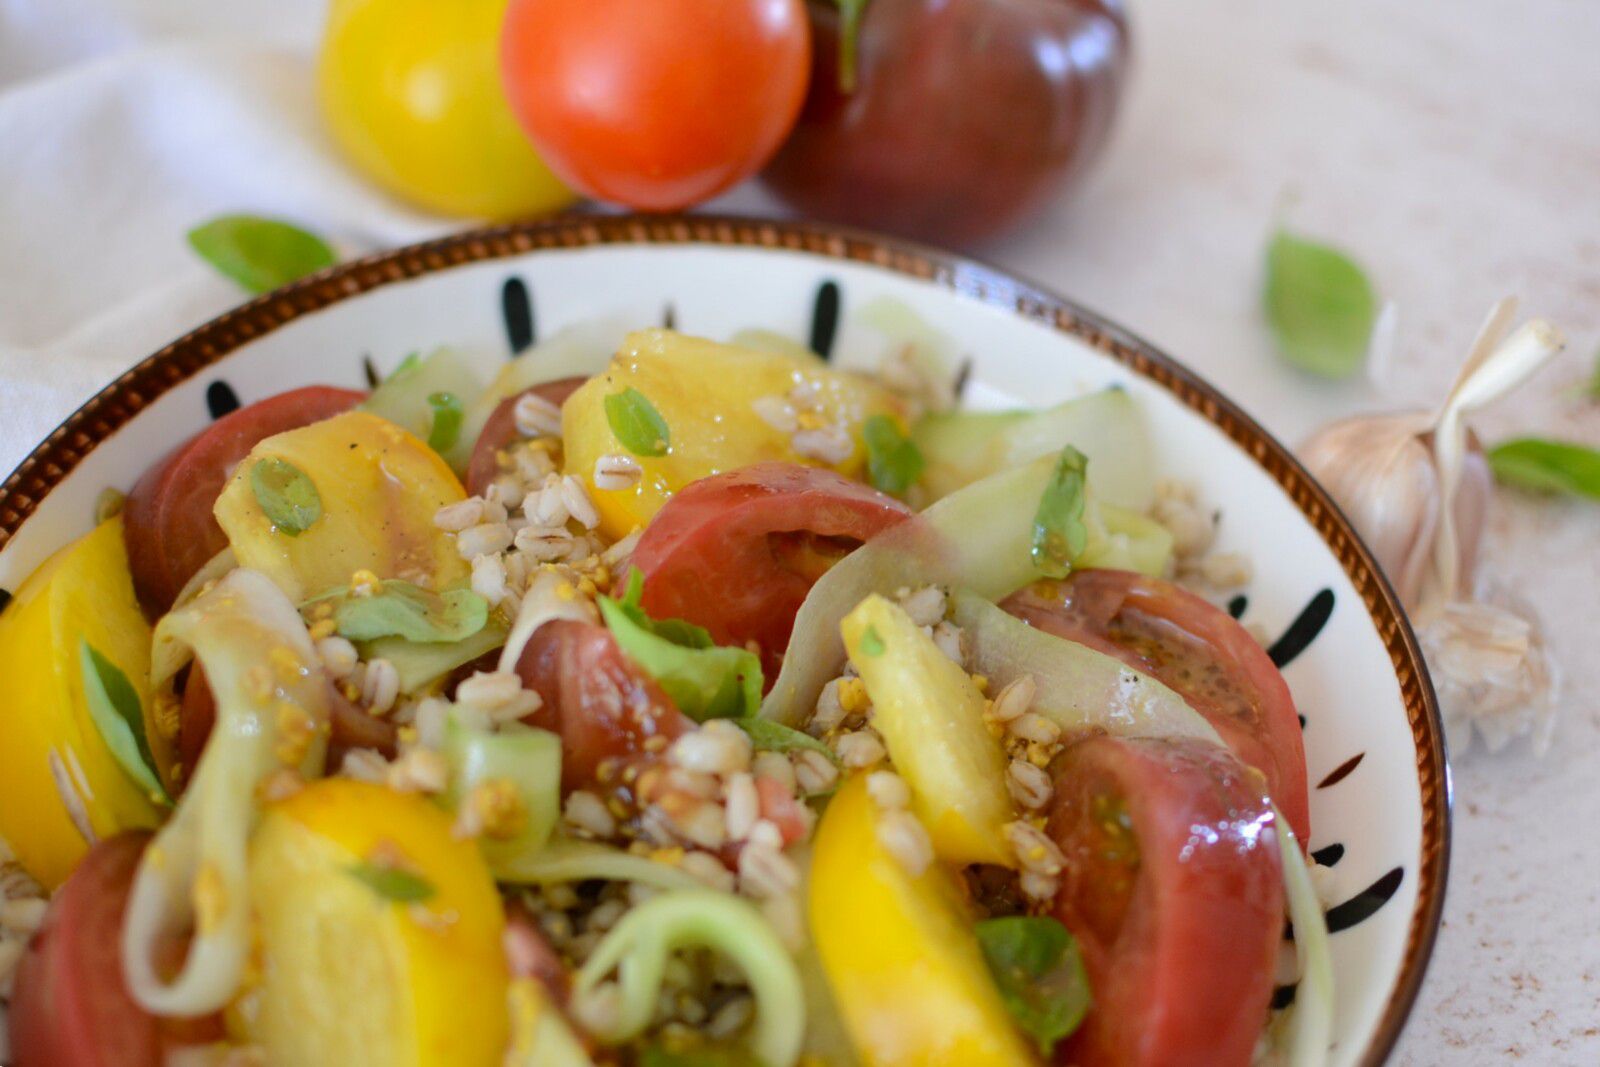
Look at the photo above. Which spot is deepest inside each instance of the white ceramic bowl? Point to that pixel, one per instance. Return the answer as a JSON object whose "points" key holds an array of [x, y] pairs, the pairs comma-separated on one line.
{"points": [[1380, 796]]}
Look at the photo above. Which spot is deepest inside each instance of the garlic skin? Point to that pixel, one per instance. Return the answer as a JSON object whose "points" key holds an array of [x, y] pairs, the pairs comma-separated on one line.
{"points": [[1380, 470], [1492, 674]]}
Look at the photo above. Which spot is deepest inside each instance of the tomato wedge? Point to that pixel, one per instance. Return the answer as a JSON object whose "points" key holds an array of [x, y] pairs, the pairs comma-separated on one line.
{"points": [[603, 707], [69, 1006], [1173, 890], [501, 429], [1197, 649], [737, 552], [168, 524]]}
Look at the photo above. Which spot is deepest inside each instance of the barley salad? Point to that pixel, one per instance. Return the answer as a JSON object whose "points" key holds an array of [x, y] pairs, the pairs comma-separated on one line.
{"points": [[680, 702]]}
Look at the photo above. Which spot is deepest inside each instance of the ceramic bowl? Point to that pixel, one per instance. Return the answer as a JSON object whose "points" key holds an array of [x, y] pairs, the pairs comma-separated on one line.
{"points": [[1380, 788]]}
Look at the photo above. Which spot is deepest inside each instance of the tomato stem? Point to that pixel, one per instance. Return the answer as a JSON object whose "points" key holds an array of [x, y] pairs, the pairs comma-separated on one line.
{"points": [[850, 12]]}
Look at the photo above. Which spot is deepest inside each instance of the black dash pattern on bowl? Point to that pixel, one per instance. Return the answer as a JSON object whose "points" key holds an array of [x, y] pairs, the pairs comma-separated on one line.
{"points": [[1238, 605], [516, 307], [1341, 772], [1365, 904], [669, 317], [1304, 630], [1328, 855], [825, 318], [5, 599], [221, 399], [369, 371], [1283, 996]]}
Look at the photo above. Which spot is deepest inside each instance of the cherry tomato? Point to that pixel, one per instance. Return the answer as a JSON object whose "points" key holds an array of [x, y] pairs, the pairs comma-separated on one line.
{"points": [[738, 552], [658, 105], [1197, 649], [1172, 887], [604, 708], [500, 429], [170, 530], [69, 1006], [349, 725], [966, 115]]}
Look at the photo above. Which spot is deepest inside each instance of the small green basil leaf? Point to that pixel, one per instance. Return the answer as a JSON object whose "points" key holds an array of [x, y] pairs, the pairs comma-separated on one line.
{"points": [[1059, 533], [117, 714], [1319, 305], [1039, 973], [872, 641], [1549, 466], [636, 423], [704, 680], [288, 497], [769, 736], [849, 31], [893, 461], [401, 609], [447, 415], [259, 254], [392, 883]]}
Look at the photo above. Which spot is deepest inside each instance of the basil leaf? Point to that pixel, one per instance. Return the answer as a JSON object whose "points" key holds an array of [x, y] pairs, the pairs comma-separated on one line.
{"points": [[850, 12], [401, 609], [704, 680], [893, 461], [392, 883], [117, 714], [769, 736], [288, 497], [1059, 533], [259, 254], [872, 641], [448, 412], [636, 423], [1319, 305], [1548, 466], [1039, 972]]}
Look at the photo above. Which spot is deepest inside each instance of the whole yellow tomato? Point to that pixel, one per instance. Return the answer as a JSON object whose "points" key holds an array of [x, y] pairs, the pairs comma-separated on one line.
{"points": [[411, 90]]}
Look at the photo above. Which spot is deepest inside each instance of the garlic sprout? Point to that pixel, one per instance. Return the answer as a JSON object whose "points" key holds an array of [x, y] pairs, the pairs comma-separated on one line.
{"points": [[272, 713], [1416, 486], [637, 949]]}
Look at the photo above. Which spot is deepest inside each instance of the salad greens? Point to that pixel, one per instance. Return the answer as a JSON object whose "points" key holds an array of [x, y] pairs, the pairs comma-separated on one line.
{"points": [[392, 883], [1547, 466], [1039, 973], [893, 460], [705, 680], [115, 710], [637, 423], [1059, 535], [401, 609], [287, 495]]}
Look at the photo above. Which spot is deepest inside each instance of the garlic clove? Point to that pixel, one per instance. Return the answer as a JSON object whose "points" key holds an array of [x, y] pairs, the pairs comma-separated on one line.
{"points": [[1381, 473], [1492, 673]]}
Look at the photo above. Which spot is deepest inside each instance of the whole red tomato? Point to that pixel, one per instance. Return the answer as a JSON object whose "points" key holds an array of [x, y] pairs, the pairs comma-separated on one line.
{"points": [[966, 115], [656, 104]]}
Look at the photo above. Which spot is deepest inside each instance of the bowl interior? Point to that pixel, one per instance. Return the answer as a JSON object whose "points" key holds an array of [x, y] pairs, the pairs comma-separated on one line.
{"points": [[1378, 793]]}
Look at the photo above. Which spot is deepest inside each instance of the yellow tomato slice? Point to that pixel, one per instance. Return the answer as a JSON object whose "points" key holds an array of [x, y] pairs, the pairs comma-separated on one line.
{"points": [[352, 974], [899, 952], [60, 776], [931, 717], [379, 488], [712, 397]]}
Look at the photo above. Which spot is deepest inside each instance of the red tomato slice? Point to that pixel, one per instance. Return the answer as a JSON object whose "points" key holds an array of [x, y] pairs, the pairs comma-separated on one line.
{"points": [[737, 553], [1175, 896], [167, 521], [501, 429], [1198, 650], [603, 707], [349, 725], [69, 1006]]}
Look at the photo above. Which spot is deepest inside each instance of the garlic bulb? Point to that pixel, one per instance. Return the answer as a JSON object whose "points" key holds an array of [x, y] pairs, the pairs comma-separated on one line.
{"points": [[1418, 489], [1380, 470]]}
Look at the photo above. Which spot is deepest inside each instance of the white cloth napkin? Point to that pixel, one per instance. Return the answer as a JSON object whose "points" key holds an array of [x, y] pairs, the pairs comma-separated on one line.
{"points": [[124, 123]]}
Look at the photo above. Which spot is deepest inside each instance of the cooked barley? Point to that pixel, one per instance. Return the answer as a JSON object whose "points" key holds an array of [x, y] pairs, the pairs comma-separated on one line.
{"points": [[903, 836], [616, 472], [1029, 786]]}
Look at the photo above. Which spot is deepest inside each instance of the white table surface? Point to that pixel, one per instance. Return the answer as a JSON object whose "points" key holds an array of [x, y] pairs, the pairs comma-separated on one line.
{"points": [[1454, 148]]}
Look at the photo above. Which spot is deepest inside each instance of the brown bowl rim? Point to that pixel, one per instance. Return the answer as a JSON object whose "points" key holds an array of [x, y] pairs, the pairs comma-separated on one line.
{"points": [[119, 402]]}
